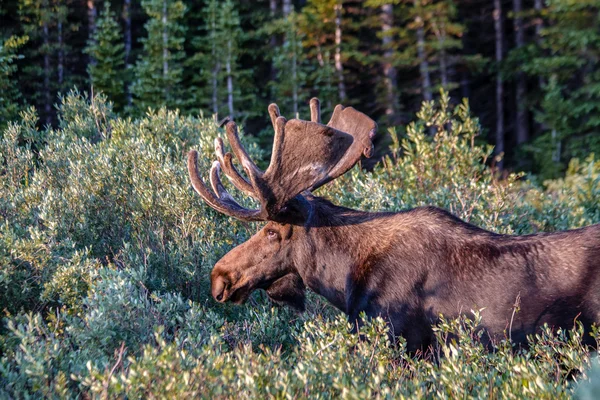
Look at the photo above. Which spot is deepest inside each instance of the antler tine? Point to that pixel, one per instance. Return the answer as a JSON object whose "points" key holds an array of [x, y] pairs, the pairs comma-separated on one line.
{"points": [[234, 140], [215, 182], [279, 126], [224, 203], [231, 171], [315, 110], [273, 113]]}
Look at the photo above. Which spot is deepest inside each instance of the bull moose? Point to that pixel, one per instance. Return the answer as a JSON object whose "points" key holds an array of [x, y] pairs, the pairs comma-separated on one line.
{"points": [[407, 267]]}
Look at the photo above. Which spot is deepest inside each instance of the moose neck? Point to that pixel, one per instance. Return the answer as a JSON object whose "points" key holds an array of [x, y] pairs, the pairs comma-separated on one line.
{"points": [[335, 248]]}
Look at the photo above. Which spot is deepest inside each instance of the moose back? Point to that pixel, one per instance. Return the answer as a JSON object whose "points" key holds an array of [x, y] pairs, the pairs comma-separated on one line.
{"points": [[407, 267]]}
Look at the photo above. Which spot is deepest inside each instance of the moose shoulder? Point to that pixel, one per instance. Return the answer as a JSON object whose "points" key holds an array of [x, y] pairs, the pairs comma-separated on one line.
{"points": [[407, 267]]}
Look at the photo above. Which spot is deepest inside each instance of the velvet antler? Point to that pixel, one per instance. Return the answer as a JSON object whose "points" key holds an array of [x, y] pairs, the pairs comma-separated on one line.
{"points": [[305, 156]]}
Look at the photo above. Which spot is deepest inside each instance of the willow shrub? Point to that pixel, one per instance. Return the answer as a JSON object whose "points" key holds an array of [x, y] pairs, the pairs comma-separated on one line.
{"points": [[105, 254]]}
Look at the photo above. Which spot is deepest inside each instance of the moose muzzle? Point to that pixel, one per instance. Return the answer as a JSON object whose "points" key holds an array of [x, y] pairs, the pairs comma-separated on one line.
{"points": [[219, 286]]}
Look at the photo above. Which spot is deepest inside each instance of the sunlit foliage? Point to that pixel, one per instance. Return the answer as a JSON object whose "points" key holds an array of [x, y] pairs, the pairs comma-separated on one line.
{"points": [[105, 254]]}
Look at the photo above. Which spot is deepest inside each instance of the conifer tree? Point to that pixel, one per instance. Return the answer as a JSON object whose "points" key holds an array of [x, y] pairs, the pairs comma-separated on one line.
{"points": [[158, 73], [11, 100], [217, 85], [290, 63], [316, 22], [206, 91], [38, 19], [566, 57], [390, 54], [229, 23], [107, 74]]}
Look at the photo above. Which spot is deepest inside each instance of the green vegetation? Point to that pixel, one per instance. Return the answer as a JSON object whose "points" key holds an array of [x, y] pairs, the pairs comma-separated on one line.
{"points": [[9, 94], [107, 72], [158, 72], [529, 68], [105, 254]]}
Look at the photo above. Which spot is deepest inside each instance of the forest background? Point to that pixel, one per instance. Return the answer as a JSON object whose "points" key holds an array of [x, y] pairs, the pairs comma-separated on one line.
{"points": [[529, 67]]}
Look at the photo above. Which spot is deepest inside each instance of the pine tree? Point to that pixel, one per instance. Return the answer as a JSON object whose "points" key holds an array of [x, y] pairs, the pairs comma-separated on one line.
{"points": [[289, 60], [316, 22], [207, 90], [521, 123], [158, 74], [11, 100], [420, 37], [394, 51], [38, 19], [107, 49], [217, 85], [229, 23], [446, 44], [499, 36], [389, 69], [566, 57]]}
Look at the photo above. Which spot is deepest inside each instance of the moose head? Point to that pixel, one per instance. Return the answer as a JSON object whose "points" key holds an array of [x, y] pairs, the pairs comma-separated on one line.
{"points": [[305, 156]]}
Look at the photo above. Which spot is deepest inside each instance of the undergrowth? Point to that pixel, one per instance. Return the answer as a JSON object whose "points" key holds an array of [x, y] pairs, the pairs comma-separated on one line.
{"points": [[105, 255]]}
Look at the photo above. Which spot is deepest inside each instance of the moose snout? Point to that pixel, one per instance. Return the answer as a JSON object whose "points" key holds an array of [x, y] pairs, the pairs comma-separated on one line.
{"points": [[218, 286]]}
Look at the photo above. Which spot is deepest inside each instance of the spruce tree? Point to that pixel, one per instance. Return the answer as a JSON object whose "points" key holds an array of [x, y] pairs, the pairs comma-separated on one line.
{"points": [[206, 90], [158, 73], [566, 57], [316, 22], [229, 23], [220, 84], [107, 74], [38, 75], [11, 100], [290, 62]]}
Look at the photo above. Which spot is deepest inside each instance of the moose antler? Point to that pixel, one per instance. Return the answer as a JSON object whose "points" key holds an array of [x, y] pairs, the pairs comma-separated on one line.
{"points": [[305, 156]]}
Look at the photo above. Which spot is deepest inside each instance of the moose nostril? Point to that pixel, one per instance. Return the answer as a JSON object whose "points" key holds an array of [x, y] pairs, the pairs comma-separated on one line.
{"points": [[219, 287]]}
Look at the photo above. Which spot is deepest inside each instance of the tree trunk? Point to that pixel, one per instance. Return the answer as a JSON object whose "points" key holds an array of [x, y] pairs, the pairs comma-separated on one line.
{"points": [[539, 25], [229, 80], [465, 89], [287, 7], [556, 152], [91, 11], [287, 10], [273, 38], [439, 29], [165, 49], [215, 70], [338, 51], [127, 39], [295, 76], [215, 89], [328, 82], [521, 92], [499, 30], [389, 71], [443, 60], [46, 38], [61, 53], [423, 63]]}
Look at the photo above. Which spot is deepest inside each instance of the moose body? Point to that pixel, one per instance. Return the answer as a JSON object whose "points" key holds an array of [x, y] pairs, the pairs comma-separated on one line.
{"points": [[407, 267]]}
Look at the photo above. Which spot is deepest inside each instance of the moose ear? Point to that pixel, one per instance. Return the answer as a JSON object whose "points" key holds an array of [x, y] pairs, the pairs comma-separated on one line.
{"points": [[358, 125], [288, 290]]}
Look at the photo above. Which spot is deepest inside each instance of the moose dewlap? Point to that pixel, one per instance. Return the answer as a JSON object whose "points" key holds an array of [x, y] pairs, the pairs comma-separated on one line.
{"points": [[407, 267]]}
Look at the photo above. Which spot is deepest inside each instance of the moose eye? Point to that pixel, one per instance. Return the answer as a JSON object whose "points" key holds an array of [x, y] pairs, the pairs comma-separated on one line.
{"points": [[271, 234]]}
